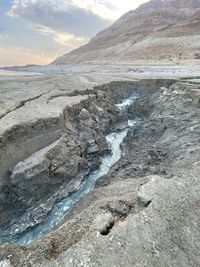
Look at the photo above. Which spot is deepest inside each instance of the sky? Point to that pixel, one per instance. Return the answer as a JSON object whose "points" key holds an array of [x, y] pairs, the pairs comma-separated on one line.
{"points": [[38, 31]]}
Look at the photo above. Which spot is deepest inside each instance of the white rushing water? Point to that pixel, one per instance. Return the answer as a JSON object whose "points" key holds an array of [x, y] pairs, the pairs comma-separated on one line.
{"points": [[62, 208], [127, 102], [132, 123]]}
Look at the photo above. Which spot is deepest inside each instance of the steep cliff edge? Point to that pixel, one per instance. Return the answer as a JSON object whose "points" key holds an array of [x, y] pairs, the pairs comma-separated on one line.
{"points": [[158, 30]]}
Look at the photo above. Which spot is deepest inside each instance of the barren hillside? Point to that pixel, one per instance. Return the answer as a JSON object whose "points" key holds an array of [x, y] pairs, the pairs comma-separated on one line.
{"points": [[158, 30]]}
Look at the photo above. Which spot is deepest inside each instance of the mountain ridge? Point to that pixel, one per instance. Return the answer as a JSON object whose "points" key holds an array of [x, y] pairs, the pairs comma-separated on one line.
{"points": [[135, 35]]}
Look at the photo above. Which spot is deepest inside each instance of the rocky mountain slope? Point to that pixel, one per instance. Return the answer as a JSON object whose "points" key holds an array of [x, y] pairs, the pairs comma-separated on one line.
{"points": [[159, 30]]}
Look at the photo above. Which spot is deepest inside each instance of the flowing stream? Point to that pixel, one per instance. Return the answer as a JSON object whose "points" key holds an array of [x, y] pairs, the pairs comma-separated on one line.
{"points": [[62, 208]]}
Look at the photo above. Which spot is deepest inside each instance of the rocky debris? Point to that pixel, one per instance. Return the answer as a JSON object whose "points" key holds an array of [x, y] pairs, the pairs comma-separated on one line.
{"points": [[163, 31]]}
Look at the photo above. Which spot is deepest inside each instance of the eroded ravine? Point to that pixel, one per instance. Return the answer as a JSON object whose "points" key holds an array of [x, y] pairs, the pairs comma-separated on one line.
{"points": [[60, 209], [94, 134]]}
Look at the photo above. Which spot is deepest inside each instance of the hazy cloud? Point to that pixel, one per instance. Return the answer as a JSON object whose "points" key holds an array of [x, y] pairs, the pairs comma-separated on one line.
{"points": [[66, 16], [67, 39]]}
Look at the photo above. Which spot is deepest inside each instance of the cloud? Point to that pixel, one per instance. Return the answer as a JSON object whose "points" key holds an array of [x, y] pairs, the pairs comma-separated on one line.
{"points": [[63, 38], [108, 9], [70, 16]]}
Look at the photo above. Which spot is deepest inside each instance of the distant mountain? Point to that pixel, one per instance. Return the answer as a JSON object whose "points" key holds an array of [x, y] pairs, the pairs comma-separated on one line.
{"points": [[157, 30]]}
